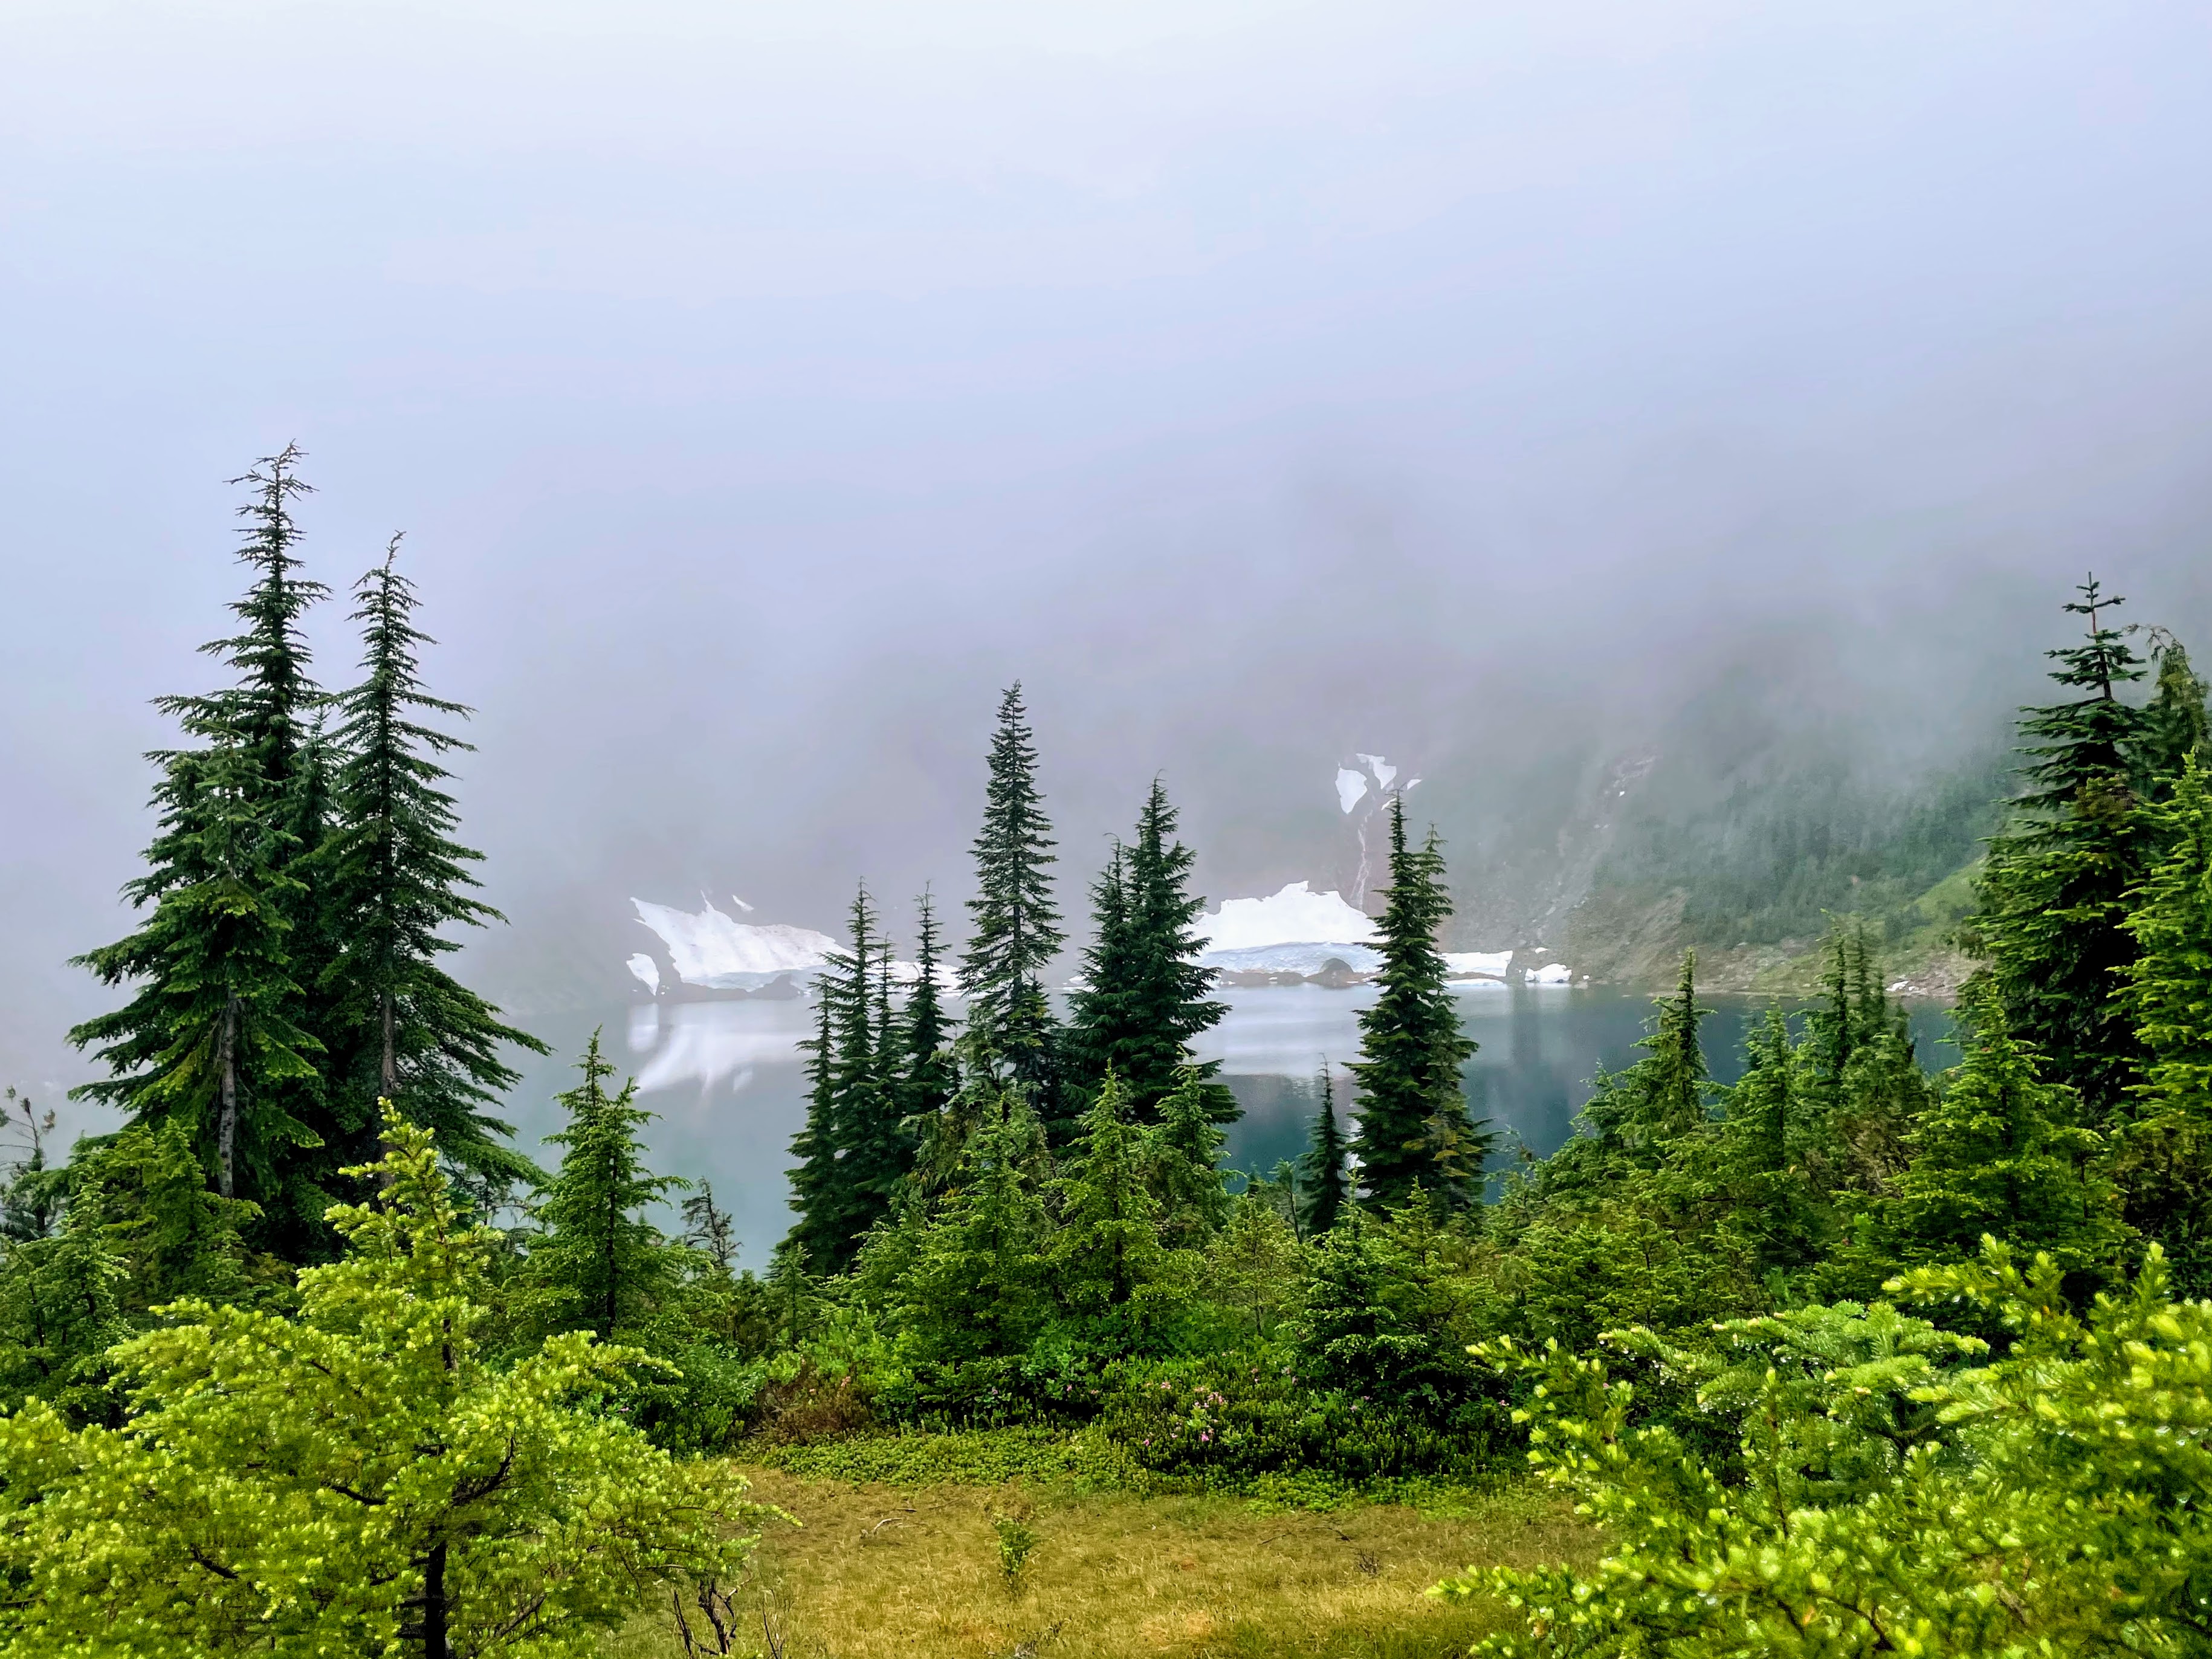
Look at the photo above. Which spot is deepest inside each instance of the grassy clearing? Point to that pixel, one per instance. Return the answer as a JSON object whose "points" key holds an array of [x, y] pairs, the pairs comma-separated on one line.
{"points": [[876, 1571]]}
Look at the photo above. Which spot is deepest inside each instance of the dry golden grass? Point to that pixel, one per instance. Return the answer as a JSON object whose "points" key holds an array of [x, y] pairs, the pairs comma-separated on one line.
{"points": [[878, 1571]]}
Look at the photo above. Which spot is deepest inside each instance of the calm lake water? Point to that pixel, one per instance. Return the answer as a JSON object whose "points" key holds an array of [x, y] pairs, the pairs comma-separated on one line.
{"points": [[726, 1081]]}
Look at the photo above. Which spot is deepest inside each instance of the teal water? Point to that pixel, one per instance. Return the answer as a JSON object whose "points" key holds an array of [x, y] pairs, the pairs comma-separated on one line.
{"points": [[725, 1083]]}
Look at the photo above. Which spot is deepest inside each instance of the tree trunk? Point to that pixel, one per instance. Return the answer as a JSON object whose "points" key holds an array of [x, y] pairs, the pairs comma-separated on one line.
{"points": [[387, 1076], [226, 1142], [434, 1605]]}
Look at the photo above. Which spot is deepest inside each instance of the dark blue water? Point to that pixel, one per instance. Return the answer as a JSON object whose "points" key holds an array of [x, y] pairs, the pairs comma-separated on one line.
{"points": [[726, 1081]]}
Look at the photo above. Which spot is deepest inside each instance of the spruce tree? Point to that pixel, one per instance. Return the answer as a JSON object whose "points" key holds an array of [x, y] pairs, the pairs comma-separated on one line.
{"points": [[1106, 1259], [977, 1287], [598, 1265], [927, 1076], [2000, 1153], [1187, 1158], [1325, 1177], [211, 1037], [1147, 996], [1414, 1120], [875, 1149], [707, 1229], [394, 881], [2176, 722], [2163, 1153], [817, 1192], [2051, 895], [1016, 927]]}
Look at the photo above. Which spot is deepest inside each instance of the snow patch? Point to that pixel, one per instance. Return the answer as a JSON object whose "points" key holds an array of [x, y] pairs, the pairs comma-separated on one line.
{"points": [[1295, 957], [1477, 965], [1552, 973], [647, 971], [712, 951], [1383, 770], [1351, 787], [1294, 916]]}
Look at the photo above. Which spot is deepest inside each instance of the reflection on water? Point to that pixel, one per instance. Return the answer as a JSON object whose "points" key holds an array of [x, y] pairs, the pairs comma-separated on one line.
{"points": [[727, 1082]]}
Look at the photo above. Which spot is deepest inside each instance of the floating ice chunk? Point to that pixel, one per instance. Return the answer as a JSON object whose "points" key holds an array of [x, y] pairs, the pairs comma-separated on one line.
{"points": [[1295, 915], [647, 971], [1350, 786], [1481, 964], [1383, 770], [1552, 973], [712, 951]]}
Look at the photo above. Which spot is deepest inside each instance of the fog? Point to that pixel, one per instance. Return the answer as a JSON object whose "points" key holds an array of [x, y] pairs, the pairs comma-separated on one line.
{"points": [[763, 388]]}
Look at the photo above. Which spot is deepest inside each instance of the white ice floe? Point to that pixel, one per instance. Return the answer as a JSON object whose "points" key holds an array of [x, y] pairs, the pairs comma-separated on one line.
{"points": [[647, 971], [1294, 916], [1477, 965], [1351, 787], [712, 951], [1552, 973]]}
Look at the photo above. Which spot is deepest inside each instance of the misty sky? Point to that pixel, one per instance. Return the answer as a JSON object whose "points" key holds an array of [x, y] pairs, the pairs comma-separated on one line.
{"points": [[763, 386]]}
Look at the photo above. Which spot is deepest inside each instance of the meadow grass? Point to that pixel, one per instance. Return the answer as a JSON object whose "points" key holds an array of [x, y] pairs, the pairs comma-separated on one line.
{"points": [[875, 1571]]}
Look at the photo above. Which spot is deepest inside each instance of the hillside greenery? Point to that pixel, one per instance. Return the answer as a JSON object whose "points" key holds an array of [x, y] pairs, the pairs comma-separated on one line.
{"points": [[1844, 1358]]}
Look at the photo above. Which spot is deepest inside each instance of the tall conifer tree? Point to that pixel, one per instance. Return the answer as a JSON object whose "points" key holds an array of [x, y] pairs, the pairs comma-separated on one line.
{"points": [[1325, 1178], [815, 1182], [928, 1077], [1017, 926], [1414, 1127], [2050, 896], [1107, 1257], [394, 879], [598, 1264], [1147, 999], [221, 1032]]}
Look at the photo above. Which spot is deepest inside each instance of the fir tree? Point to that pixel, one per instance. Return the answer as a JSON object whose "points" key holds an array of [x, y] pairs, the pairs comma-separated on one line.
{"points": [[1147, 996], [816, 1189], [707, 1229], [598, 1265], [976, 1291], [174, 1237], [1187, 1158], [31, 1197], [2163, 1155], [211, 1036], [1107, 1261], [1414, 1120], [2051, 894], [1325, 1174], [395, 880], [2000, 1153], [1016, 927], [1254, 1265], [2176, 722], [875, 1149], [60, 1311], [927, 1076]]}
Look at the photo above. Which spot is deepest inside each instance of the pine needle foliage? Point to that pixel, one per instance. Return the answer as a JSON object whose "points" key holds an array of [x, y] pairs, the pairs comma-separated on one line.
{"points": [[1414, 1126], [1017, 931], [395, 881]]}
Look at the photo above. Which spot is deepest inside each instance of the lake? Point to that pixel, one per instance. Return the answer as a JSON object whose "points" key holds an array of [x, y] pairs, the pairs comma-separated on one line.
{"points": [[726, 1080]]}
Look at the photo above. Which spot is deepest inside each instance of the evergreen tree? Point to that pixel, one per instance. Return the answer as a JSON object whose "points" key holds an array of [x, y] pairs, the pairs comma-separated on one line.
{"points": [[1016, 927], [1999, 1154], [1776, 1210], [1326, 1175], [60, 1311], [1147, 996], [402, 1028], [817, 1184], [2176, 722], [598, 1265], [2051, 894], [2163, 1153], [211, 1038], [1106, 1259], [976, 1291], [1187, 1156], [707, 1229], [174, 1237], [875, 1149], [1255, 1265], [928, 1077], [1356, 1335], [1414, 1120], [31, 1197], [358, 1478]]}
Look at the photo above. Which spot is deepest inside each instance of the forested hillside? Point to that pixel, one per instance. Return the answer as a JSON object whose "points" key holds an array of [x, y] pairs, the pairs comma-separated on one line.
{"points": [[1844, 1358]]}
